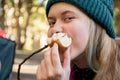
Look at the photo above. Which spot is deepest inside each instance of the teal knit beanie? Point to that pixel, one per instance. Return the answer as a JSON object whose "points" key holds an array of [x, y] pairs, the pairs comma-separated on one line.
{"points": [[100, 11]]}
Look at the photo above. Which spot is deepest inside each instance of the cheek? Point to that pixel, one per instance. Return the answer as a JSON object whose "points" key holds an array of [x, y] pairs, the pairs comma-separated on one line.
{"points": [[80, 36]]}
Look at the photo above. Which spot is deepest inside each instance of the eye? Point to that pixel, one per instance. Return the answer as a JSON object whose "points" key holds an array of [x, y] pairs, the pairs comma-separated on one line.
{"points": [[67, 19], [51, 23]]}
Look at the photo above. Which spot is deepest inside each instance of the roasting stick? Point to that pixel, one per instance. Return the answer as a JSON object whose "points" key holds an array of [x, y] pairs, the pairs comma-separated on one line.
{"points": [[19, 67]]}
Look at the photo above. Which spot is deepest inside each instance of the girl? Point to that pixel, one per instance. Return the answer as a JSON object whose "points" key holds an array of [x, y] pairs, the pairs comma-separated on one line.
{"points": [[94, 52]]}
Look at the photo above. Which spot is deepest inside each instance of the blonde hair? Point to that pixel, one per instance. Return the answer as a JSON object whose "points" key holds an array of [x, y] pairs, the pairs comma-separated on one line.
{"points": [[103, 54]]}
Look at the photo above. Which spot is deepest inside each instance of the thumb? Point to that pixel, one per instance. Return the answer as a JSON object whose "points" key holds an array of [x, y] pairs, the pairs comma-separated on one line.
{"points": [[66, 62]]}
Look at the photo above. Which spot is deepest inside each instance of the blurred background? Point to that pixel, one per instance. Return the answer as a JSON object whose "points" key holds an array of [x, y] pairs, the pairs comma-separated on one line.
{"points": [[25, 23]]}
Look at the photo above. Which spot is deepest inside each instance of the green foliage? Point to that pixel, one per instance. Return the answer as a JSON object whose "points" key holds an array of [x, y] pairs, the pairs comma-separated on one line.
{"points": [[27, 17], [117, 17]]}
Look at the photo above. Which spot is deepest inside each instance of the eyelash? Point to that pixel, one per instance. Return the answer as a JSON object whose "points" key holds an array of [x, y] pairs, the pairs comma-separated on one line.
{"points": [[51, 24], [66, 19]]}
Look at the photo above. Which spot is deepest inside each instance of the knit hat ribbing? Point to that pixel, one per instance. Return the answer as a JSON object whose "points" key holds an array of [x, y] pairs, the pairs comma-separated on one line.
{"points": [[99, 10]]}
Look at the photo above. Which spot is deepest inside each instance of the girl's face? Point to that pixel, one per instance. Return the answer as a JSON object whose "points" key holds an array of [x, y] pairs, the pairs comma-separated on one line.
{"points": [[66, 18]]}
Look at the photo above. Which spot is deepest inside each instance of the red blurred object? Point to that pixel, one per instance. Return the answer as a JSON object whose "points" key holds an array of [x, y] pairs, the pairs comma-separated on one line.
{"points": [[3, 33]]}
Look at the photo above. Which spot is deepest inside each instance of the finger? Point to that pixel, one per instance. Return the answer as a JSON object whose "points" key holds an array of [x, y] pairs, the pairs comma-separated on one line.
{"points": [[55, 56], [48, 63], [38, 73], [41, 72], [47, 58], [66, 61]]}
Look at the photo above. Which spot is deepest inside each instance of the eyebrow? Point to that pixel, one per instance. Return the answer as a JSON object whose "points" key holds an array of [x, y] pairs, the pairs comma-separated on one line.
{"points": [[63, 13], [50, 18]]}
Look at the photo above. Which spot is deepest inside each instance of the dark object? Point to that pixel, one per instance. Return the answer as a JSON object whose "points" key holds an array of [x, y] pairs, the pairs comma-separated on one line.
{"points": [[7, 55], [84, 74]]}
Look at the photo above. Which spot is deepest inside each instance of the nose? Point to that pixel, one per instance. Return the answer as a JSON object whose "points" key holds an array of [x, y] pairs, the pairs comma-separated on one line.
{"points": [[58, 27]]}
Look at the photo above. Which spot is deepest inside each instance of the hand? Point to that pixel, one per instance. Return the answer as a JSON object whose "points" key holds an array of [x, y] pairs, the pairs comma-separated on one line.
{"points": [[51, 67]]}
